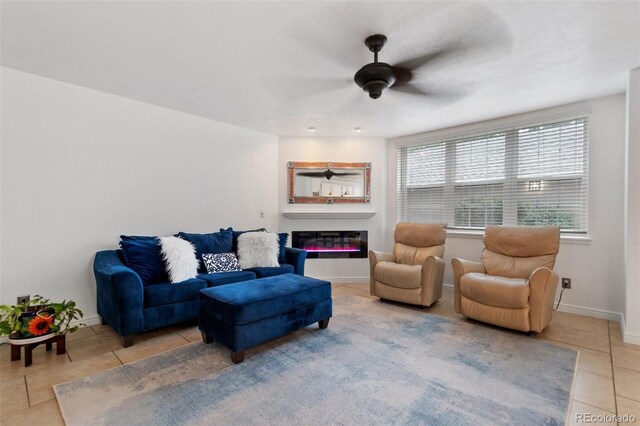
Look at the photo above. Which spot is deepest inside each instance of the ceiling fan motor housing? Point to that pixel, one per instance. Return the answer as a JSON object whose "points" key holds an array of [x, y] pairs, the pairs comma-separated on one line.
{"points": [[375, 77]]}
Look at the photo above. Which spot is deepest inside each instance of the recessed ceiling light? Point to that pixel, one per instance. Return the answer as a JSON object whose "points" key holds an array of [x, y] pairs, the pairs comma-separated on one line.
{"points": [[311, 129], [357, 129]]}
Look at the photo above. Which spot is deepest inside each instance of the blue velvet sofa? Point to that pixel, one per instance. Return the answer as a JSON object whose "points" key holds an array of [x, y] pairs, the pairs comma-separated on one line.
{"points": [[130, 305]]}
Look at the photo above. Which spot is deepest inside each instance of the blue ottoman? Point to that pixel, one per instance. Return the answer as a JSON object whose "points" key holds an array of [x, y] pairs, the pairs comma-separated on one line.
{"points": [[246, 314]]}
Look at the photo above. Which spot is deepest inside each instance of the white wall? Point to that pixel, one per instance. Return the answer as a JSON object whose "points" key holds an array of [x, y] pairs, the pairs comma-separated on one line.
{"points": [[596, 267], [354, 149], [80, 167], [631, 330]]}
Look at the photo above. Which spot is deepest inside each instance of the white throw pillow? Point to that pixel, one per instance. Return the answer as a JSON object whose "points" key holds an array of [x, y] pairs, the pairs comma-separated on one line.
{"points": [[258, 249], [180, 258]]}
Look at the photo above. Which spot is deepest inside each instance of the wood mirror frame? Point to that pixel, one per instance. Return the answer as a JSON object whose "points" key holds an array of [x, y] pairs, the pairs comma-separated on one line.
{"points": [[329, 170]]}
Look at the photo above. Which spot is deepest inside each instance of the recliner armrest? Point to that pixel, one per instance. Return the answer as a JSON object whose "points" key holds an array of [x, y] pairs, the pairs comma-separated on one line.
{"points": [[432, 276], [461, 267], [543, 283], [374, 258], [120, 293], [296, 257]]}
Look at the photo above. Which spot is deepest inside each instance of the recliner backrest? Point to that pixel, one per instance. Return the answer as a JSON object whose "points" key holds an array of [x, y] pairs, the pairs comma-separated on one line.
{"points": [[414, 242], [516, 251]]}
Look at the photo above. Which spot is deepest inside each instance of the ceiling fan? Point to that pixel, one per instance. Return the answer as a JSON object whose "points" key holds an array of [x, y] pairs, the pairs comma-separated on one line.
{"points": [[376, 76], [327, 174]]}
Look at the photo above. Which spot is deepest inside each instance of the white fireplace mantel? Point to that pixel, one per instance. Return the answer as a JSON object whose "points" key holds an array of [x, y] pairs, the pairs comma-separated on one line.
{"points": [[336, 214]]}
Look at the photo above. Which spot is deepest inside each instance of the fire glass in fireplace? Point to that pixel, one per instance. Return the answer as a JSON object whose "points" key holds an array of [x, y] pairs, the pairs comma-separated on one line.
{"points": [[331, 244]]}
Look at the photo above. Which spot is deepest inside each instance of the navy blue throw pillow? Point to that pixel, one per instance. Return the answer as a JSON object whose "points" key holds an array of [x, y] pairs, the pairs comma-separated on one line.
{"points": [[142, 254], [283, 237], [216, 242]]}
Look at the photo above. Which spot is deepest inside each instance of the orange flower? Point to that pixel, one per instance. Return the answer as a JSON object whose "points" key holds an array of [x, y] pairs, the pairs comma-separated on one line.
{"points": [[39, 325]]}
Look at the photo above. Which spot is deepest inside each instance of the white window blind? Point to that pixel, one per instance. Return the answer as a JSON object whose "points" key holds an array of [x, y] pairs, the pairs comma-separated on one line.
{"points": [[529, 175]]}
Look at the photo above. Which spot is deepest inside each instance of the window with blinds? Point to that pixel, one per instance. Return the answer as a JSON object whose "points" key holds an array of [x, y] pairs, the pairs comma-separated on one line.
{"points": [[533, 175]]}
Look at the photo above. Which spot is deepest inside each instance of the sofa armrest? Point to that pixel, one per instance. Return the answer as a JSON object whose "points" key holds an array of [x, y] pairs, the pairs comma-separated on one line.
{"points": [[120, 293], [543, 283], [296, 257], [374, 258], [432, 276], [461, 267]]}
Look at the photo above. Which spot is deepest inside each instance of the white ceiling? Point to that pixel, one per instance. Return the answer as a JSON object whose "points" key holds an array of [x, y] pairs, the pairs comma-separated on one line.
{"points": [[281, 67]]}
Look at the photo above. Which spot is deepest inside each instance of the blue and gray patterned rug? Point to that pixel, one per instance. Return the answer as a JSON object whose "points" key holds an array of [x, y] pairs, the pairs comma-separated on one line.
{"points": [[377, 363]]}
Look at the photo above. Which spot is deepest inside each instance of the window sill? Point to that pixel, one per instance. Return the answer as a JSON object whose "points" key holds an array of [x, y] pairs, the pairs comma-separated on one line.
{"points": [[564, 239]]}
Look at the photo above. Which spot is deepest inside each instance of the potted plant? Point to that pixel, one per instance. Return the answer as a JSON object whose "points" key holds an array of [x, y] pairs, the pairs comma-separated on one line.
{"points": [[37, 319]]}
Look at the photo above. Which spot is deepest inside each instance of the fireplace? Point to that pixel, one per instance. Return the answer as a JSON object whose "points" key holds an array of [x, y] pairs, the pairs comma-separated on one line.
{"points": [[332, 244]]}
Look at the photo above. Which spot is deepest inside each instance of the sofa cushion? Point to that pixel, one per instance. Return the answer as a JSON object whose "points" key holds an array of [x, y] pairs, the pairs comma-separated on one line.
{"points": [[272, 271], [254, 300], [167, 293], [142, 254], [216, 242], [500, 292], [221, 278], [282, 240]]}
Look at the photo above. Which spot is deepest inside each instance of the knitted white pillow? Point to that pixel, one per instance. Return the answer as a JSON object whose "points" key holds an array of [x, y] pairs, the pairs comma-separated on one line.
{"points": [[258, 249], [179, 258]]}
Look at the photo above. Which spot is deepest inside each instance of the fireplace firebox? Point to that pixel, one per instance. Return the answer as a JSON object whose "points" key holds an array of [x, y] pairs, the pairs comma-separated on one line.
{"points": [[332, 244]]}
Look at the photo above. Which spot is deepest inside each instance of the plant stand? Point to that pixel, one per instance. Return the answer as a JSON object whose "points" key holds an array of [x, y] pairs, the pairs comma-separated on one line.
{"points": [[29, 345]]}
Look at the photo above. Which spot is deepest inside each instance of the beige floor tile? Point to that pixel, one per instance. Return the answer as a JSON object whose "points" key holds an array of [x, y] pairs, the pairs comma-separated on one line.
{"points": [[447, 293], [191, 334], [579, 411], [628, 406], [627, 383], [103, 329], [160, 332], [616, 340], [358, 286], [46, 413], [344, 291], [444, 309], [40, 385], [150, 347], [625, 358], [614, 325], [81, 333], [586, 332], [592, 361], [42, 361], [13, 395], [92, 346], [595, 390]]}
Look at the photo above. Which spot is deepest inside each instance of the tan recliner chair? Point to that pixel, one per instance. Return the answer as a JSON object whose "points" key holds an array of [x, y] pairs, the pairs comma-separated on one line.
{"points": [[413, 273], [514, 286]]}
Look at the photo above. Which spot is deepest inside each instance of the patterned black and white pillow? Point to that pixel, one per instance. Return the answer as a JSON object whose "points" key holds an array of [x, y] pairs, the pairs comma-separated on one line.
{"points": [[220, 262]]}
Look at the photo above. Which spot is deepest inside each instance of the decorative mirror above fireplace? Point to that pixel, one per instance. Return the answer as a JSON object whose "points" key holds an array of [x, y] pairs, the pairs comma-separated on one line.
{"points": [[329, 183]]}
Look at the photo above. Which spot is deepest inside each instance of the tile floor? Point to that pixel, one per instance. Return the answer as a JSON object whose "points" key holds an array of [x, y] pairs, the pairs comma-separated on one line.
{"points": [[607, 380]]}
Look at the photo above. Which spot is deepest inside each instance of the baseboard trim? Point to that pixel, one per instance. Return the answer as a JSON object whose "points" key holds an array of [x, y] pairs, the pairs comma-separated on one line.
{"points": [[627, 337], [86, 322], [591, 312]]}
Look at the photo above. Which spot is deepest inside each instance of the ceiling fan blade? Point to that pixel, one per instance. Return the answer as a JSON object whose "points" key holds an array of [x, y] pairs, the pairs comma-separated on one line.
{"points": [[436, 55], [435, 94], [311, 174], [346, 174], [410, 89]]}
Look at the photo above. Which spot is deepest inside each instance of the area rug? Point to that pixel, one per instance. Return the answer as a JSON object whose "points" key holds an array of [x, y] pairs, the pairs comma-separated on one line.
{"points": [[377, 363]]}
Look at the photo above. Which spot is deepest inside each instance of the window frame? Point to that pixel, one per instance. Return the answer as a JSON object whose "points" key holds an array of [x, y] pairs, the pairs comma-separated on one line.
{"points": [[510, 181]]}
